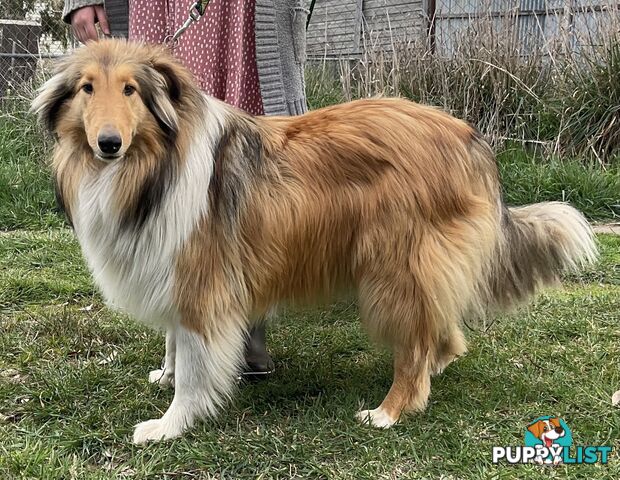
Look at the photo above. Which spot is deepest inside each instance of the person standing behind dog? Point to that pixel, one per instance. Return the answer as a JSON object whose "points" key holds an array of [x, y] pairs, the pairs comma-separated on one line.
{"points": [[248, 53]]}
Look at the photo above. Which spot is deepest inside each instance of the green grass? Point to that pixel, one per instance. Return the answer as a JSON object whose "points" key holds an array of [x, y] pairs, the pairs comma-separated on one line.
{"points": [[26, 193], [73, 382], [530, 178]]}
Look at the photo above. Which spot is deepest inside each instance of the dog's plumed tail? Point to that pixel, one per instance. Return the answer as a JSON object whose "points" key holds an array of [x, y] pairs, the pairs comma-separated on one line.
{"points": [[539, 242]]}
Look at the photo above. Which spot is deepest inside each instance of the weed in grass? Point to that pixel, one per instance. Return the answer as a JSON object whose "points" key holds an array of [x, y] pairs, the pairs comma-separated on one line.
{"points": [[591, 102]]}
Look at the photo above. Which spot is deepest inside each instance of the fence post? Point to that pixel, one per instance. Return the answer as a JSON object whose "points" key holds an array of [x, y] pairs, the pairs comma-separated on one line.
{"points": [[359, 10], [431, 7], [569, 31]]}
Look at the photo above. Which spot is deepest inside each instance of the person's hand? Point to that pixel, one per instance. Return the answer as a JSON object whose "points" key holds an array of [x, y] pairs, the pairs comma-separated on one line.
{"points": [[83, 22]]}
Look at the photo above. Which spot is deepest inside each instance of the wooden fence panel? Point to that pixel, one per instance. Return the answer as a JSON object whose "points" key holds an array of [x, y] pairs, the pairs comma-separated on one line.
{"points": [[333, 29], [389, 22], [343, 28], [537, 24]]}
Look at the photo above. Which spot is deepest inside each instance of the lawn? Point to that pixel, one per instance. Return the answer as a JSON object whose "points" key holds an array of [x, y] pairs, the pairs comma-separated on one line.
{"points": [[73, 374], [73, 381]]}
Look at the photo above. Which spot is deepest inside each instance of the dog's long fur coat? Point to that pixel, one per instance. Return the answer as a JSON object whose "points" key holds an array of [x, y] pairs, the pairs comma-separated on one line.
{"points": [[199, 218]]}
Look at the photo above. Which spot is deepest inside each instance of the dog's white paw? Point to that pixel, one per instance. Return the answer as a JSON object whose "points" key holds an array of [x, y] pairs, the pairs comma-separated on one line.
{"points": [[615, 400], [377, 418], [154, 430], [164, 378]]}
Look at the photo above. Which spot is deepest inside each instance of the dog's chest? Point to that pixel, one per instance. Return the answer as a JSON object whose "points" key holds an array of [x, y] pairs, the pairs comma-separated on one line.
{"points": [[134, 267]]}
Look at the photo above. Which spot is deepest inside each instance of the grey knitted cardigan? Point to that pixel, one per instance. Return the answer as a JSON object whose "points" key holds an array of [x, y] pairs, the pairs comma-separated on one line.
{"points": [[280, 48]]}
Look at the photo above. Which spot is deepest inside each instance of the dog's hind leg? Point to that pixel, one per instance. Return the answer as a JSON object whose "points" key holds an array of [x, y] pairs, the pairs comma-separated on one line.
{"points": [[409, 391], [395, 311], [207, 363], [165, 375]]}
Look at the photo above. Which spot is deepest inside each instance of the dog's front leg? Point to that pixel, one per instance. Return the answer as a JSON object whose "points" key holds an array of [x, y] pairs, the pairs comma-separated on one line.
{"points": [[165, 376], [205, 370]]}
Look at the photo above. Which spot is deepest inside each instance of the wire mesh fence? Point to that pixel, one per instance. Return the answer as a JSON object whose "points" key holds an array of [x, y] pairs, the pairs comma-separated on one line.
{"points": [[31, 33]]}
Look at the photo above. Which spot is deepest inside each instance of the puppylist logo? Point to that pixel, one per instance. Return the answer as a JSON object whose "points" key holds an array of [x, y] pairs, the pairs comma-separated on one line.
{"points": [[549, 441]]}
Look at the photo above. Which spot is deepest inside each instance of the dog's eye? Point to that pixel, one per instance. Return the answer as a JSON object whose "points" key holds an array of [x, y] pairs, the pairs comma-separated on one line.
{"points": [[87, 88], [129, 90]]}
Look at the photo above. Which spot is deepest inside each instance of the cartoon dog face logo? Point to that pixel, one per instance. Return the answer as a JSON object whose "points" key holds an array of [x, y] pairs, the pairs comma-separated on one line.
{"points": [[547, 431]]}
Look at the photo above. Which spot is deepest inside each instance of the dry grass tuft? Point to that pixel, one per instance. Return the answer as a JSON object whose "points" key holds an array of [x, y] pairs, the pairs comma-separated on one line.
{"points": [[557, 91]]}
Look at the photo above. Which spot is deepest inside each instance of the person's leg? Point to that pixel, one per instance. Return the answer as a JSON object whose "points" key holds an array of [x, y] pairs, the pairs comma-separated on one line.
{"points": [[258, 362]]}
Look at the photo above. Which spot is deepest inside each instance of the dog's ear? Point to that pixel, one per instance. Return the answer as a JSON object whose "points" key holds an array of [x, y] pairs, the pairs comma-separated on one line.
{"points": [[52, 96], [166, 87], [178, 79], [555, 422], [537, 428]]}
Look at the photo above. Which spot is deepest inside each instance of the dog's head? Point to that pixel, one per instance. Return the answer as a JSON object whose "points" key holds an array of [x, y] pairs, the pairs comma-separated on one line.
{"points": [[112, 91], [547, 430]]}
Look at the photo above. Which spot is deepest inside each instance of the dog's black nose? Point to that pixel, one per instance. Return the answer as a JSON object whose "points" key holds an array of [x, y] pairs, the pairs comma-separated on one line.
{"points": [[109, 142], [558, 429]]}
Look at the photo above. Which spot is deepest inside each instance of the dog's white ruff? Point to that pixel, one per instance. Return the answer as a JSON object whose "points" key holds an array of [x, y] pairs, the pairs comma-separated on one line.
{"points": [[135, 271]]}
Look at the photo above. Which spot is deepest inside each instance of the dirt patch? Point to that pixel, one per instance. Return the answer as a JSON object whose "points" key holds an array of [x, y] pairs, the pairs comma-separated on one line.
{"points": [[611, 228]]}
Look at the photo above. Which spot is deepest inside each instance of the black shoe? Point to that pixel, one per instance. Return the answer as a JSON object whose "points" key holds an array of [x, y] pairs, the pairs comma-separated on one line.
{"points": [[259, 364], [258, 371]]}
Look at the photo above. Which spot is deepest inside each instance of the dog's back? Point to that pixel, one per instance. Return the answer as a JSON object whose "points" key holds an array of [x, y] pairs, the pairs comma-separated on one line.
{"points": [[346, 187]]}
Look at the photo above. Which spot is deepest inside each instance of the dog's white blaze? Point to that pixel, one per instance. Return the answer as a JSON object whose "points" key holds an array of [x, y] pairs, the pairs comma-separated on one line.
{"points": [[136, 272]]}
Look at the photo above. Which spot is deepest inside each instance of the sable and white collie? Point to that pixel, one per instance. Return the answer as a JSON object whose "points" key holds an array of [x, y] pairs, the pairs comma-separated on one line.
{"points": [[199, 218]]}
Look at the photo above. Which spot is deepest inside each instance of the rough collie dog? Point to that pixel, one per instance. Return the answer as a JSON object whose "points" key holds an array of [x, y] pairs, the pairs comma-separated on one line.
{"points": [[199, 218]]}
